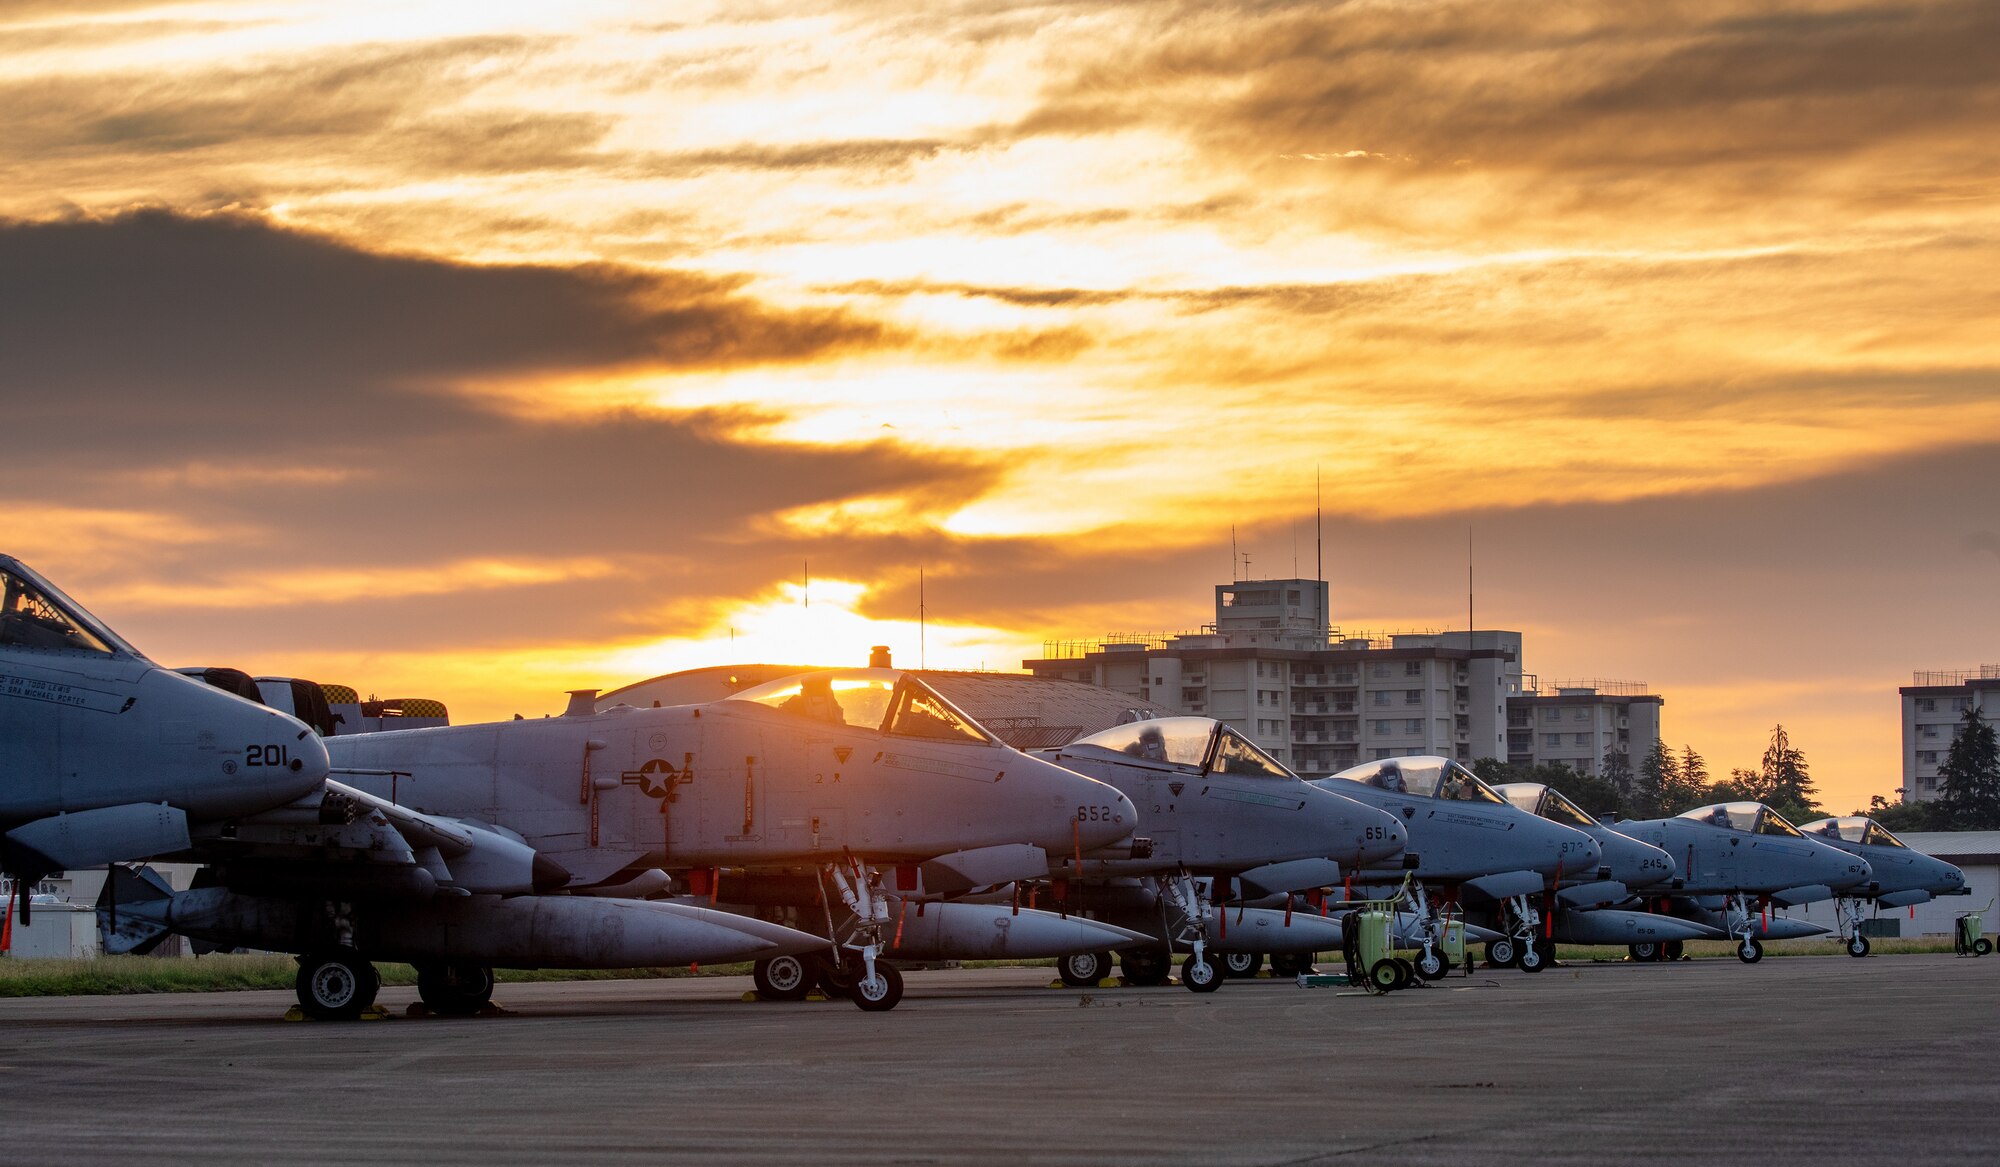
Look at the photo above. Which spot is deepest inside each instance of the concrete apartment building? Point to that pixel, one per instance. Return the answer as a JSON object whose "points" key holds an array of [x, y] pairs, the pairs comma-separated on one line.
{"points": [[1577, 723], [1273, 666], [1933, 703]]}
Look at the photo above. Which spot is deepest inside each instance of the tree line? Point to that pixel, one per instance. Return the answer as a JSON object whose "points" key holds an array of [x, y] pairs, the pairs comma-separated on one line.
{"points": [[1667, 782]]}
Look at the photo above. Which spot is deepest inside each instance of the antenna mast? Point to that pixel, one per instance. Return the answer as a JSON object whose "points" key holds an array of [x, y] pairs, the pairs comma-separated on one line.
{"points": [[920, 617]]}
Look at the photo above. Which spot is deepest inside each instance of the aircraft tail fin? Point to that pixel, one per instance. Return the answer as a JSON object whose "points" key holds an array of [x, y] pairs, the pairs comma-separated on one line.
{"points": [[131, 910]]}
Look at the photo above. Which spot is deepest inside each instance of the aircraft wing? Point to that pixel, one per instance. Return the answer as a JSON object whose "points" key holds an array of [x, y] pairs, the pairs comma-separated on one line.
{"points": [[346, 842]]}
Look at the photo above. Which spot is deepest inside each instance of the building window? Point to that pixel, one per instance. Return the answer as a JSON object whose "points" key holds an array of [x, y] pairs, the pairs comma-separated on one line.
{"points": [[1413, 696], [1581, 714], [1413, 668], [1414, 725], [1926, 705], [1926, 757], [1379, 754], [1381, 728], [1380, 670], [1926, 784], [1580, 739], [1960, 704], [1381, 696], [1552, 740], [1930, 731], [1552, 715]]}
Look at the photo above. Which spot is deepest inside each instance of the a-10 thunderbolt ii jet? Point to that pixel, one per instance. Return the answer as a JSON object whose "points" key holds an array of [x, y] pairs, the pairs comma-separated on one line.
{"points": [[1628, 865], [1898, 876], [1213, 805], [1474, 849], [108, 757], [1735, 858], [451, 844]]}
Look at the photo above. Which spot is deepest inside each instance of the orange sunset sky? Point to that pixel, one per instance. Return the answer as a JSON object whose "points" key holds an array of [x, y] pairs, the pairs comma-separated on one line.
{"points": [[480, 351]]}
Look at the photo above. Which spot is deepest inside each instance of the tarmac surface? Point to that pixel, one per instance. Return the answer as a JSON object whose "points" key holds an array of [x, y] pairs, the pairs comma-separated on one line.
{"points": [[1795, 1060]]}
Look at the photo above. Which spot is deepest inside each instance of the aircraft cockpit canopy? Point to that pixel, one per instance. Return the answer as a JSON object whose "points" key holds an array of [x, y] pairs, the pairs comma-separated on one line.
{"points": [[1548, 802], [1199, 743], [1752, 817], [1855, 828], [887, 700], [1424, 777], [35, 614]]}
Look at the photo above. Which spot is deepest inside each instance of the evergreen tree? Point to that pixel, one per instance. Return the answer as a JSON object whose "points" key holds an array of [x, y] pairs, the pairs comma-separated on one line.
{"points": [[1787, 787], [1617, 770], [1969, 795], [1658, 771], [1689, 785]]}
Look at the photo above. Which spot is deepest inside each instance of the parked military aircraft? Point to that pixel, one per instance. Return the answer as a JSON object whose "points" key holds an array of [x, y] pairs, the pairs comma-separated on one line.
{"points": [[1730, 854], [109, 757], [1215, 806], [1474, 848], [1628, 864], [1899, 876], [446, 845]]}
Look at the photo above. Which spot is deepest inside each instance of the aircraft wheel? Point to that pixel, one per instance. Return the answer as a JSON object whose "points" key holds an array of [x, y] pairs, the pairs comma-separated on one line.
{"points": [[1981, 946], [1431, 964], [783, 978], [1672, 950], [1644, 950], [838, 980], [1750, 952], [1533, 957], [1387, 976], [1500, 953], [455, 990], [1241, 964], [879, 994], [1857, 945], [1145, 966], [1290, 964], [336, 985], [1201, 974], [1082, 970]]}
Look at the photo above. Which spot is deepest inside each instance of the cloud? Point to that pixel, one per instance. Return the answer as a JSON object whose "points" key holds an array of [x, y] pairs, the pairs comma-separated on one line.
{"points": [[320, 404]]}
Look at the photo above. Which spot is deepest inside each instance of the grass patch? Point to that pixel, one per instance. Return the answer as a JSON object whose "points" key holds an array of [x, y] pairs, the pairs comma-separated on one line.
{"points": [[226, 972]]}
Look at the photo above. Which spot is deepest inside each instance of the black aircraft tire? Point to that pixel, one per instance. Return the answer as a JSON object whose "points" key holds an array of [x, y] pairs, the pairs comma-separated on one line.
{"points": [[335, 985], [837, 980], [1750, 952], [1145, 966], [1290, 964], [1500, 953], [1533, 957], [1672, 950], [1857, 945], [1645, 950], [1240, 965], [454, 990], [784, 978], [1202, 974], [1082, 970], [880, 994], [1431, 964]]}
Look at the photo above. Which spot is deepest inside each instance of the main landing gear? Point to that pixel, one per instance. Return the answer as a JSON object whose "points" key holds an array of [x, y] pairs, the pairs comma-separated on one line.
{"points": [[336, 984]]}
